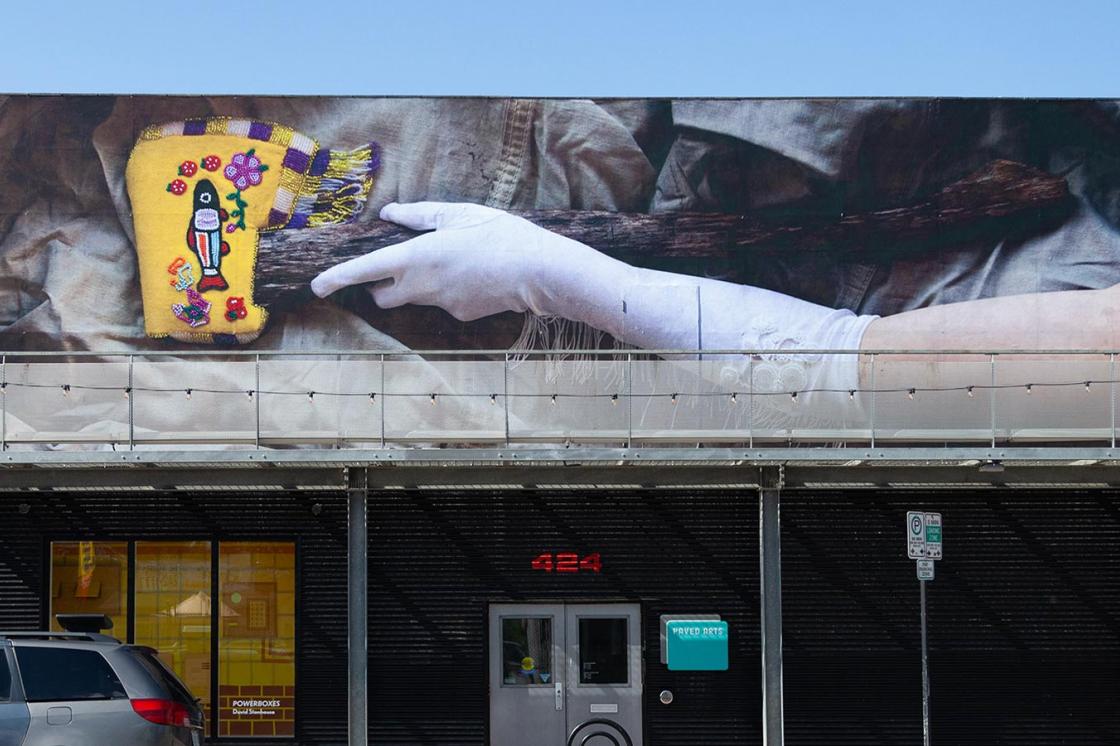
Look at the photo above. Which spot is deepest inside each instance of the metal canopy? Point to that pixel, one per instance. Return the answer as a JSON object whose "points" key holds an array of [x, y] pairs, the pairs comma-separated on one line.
{"points": [[475, 468]]}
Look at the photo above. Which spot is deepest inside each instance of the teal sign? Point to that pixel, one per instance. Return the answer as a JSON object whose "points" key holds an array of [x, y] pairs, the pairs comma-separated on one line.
{"points": [[696, 646], [933, 534]]}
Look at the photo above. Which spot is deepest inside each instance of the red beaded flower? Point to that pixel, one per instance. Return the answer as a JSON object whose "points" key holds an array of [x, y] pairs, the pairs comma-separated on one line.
{"points": [[177, 187]]}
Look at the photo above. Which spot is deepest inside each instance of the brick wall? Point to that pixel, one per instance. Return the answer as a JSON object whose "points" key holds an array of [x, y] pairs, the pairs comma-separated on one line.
{"points": [[283, 723]]}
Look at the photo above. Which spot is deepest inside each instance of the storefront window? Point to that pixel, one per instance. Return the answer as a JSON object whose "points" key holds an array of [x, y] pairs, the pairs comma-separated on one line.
{"points": [[256, 646], [90, 577], [174, 613], [173, 608]]}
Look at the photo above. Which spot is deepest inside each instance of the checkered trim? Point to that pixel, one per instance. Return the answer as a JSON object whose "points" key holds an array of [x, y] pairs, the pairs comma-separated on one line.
{"points": [[299, 154]]}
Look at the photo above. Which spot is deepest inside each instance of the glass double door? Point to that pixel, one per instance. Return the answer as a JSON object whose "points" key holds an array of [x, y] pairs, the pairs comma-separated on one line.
{"points": [[565, 674]]}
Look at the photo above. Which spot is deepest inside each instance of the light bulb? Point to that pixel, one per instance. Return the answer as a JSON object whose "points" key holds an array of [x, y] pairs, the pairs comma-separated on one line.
{"points": [[910, 394], [432, 399]]}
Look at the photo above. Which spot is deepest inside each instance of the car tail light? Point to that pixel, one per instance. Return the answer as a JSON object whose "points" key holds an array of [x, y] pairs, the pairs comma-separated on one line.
{"points": [[162, 712]]}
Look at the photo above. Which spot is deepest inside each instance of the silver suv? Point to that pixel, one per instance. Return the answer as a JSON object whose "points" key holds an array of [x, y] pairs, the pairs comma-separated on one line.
{"points": [[70, 688]]}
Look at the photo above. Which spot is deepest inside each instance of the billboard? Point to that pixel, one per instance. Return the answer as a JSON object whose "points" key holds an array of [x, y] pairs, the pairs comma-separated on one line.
{"points": [[166, 225]]}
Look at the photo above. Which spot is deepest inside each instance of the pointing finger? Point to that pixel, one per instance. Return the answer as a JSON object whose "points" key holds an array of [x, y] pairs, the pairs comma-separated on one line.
{"points": [[377, 265]]}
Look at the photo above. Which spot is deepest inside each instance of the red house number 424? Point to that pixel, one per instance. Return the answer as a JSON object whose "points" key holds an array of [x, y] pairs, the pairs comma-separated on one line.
{"points": [[567, 562]]}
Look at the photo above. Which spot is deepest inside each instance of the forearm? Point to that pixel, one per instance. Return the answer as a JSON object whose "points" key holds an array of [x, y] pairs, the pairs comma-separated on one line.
{"points": [[1067, 320]]}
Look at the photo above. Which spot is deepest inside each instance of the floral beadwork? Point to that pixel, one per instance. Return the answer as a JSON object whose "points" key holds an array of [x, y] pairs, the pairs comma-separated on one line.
{"points": [[235, 308], [244, 170], [177, 187], [188, 168], [211, 163], [195, 312]]}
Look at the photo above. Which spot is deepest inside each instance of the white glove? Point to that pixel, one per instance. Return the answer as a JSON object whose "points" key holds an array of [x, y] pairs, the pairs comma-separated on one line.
{"points": [[478, 261]]}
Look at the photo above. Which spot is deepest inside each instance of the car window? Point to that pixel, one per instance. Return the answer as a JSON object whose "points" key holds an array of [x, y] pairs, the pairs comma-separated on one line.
{"points": [[163, 675], [5, 678], [62, 675]]}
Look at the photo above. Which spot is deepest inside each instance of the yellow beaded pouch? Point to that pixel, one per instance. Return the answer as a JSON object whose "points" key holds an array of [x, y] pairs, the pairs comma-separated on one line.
{"points": [[202, 191]]}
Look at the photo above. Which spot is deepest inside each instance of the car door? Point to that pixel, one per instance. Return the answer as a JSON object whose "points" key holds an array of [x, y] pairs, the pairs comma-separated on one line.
{"points": [[74, 697], [14, 716]]}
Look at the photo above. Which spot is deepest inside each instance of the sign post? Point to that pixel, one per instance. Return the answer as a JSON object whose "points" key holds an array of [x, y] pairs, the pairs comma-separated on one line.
{"points": [[923, 544]]}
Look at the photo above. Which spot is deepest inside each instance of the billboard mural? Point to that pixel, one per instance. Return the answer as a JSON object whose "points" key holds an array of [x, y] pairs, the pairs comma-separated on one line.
{"points": [[171, 224]]}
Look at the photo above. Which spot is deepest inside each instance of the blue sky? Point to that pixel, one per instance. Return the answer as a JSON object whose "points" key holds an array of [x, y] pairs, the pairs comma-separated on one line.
{"points": [[576, 47]]}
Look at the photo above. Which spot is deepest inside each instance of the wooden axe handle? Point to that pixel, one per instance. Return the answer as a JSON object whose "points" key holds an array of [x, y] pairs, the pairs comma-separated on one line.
{"points": [[1004, 194]]}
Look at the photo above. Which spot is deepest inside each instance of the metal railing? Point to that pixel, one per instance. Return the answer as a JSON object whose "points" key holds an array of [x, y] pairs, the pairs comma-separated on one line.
{"points": [[628, 398]]}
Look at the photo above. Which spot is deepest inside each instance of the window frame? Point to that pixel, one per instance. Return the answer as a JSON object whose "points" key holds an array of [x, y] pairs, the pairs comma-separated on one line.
{"points": [[9, 667], [215, 539]]}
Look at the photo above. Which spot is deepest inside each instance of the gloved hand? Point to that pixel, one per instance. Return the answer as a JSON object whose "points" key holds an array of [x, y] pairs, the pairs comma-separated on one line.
{"points": [[478, 261]]}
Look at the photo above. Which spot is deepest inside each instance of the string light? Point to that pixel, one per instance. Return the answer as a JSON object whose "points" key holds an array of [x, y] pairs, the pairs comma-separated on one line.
{"points": [[733, 397], [3, 388]]}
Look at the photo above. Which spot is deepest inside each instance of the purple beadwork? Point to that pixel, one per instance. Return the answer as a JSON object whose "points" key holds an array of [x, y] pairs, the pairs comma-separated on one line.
{"points": [[296, 160], [260, 131]]}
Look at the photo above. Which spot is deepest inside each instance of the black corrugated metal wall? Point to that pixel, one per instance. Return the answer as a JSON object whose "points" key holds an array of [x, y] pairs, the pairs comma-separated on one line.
{"points": [[1024, 619], [321, 694], [438, 558], [1024, 614]]}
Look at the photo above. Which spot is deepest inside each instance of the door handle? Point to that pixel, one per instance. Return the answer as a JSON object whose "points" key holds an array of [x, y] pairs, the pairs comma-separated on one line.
{"points": [[559, 696]]}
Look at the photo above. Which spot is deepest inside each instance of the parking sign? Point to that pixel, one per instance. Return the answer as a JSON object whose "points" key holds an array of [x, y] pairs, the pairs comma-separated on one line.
{"points": [[916, 534], [933, 536]]}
